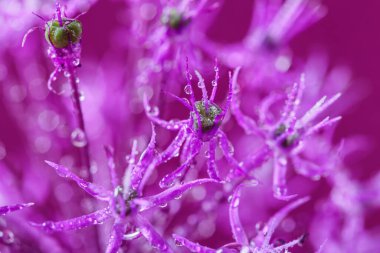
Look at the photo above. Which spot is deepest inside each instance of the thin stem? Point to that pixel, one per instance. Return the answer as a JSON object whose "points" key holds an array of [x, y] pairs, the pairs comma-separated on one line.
{"points": [[85, 154]]}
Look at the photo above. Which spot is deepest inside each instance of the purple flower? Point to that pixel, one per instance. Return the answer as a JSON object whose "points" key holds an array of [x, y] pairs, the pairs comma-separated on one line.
{"points": [[284, 138], [125, 203], [202, 126], [260, 244]]}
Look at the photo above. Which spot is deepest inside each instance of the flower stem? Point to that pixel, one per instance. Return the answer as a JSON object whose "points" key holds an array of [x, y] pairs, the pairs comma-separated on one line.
{"points": [[85, 152]]}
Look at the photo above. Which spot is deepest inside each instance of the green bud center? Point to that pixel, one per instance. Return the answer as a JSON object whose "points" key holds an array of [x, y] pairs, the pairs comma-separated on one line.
{"points": [[207, 117], [62, 36]]}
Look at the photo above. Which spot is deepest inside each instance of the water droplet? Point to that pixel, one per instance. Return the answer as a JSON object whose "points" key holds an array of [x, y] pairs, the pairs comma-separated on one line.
{"points": [[7, 237], [163, 205], [154, 111], [245, 249], [81, 96], [207, 154], [200, 84], [76, 62], [188, 90], [214, 83], [280, 191], [132, 235], [190, 76], [236, 203], [216, 68], [78, 138], [66, 74], [260, 227], [178, 243], [229, 198], [179, 196], [236, 89]]}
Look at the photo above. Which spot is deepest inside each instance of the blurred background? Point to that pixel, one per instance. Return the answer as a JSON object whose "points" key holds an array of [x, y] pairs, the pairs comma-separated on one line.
{"points": [[347, 38]]}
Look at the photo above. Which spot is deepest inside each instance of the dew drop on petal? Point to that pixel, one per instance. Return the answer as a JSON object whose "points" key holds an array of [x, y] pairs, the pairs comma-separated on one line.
{"points": [[81, 96], [178, 242], [132, 235], [76, 62], [66, 74], [163, 205], [188, 89], [7, 237], [78, 138], [261, 227], [236, 203]]}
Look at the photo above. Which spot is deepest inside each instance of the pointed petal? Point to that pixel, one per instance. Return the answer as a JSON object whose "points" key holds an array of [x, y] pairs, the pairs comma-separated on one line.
{"points": [[192, 246], [236, 226], [279, 216], [174, 147], [169, 194], [153, 116], [249, 125], [111, 165], [92, 189], [211, 166], [147, 159], [12, 208], [152, 236], [169, 179], [94, 218], [116, 238]]}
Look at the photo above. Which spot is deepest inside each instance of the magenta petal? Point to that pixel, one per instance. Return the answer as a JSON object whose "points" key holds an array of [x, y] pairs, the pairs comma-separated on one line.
{"points": [[170, 194], [192, 246], [92, 189], [146, 163], [236, 226], [279, 216], [153, 237], [94, 218], [8, 209], [116, 238]]}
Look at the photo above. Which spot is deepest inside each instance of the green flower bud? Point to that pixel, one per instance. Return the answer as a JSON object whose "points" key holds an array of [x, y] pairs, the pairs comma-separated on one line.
{"points": [[174, 20], [75, 29], [207, 118], [60, 36]]}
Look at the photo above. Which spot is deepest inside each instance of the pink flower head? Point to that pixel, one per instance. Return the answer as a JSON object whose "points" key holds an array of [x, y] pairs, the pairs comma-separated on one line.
{"points": [[202, 126], [284, 138], [125, 204]]}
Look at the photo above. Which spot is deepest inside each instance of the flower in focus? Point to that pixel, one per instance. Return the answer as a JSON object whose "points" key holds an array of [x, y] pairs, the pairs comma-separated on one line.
{"points": [[125, 205], [203, 126]]}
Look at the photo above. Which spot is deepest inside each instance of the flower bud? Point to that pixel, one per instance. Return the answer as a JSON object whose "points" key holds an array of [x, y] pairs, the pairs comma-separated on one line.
{"points": [[208, 118], [60, 36]]}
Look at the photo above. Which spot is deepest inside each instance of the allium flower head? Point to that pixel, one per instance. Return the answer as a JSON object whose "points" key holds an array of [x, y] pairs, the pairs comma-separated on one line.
{"points": [[284, 138], [125, 204], [203, 126]]}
